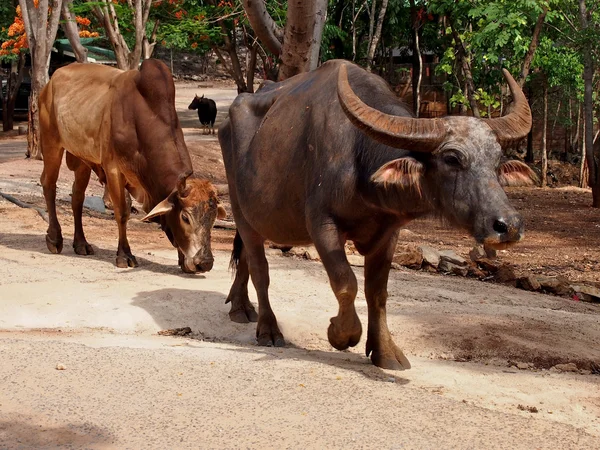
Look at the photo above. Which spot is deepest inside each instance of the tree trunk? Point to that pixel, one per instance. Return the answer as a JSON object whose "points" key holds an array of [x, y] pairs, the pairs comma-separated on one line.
{"points": [[72, 32], [377, 34], [466, 69], [251, 67], [545, 137], [320, 19], [588, 107], [298, 38], [535, 39], [13, 83], [263, 25], [529, 157], [417, 59]]}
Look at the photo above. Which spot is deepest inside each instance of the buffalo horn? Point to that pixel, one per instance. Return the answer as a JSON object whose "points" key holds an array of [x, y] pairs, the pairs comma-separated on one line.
{"points": [[423, 135], [517, 123], [181, 190]]}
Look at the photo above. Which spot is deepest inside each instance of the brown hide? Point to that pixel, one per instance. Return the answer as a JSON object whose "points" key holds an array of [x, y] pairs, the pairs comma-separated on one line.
{"points": [[123, 125]]}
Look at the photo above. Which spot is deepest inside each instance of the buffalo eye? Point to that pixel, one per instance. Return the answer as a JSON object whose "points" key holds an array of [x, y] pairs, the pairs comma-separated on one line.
{"points": [[452, 160], [185, 218], [211, 203]]}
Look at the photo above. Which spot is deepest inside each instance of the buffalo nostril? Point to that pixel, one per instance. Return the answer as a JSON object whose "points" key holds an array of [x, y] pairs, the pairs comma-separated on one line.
{"points": [[500, 226]]}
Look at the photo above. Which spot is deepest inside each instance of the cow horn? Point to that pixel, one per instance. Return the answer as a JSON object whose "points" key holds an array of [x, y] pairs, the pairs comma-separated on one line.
{"points": [[424, 135], [517, 123], [181, 190]]}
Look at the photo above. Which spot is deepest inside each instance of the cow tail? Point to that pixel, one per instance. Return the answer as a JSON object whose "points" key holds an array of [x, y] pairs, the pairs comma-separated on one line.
{"points": [[236, 254]]}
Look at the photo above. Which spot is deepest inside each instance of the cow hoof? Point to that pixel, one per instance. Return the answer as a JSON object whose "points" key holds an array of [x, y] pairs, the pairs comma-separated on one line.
{"points": [[83, 248], [271, 340], [339, 336], [243, 315], [126, 261], [393, 359], [55, 246]]}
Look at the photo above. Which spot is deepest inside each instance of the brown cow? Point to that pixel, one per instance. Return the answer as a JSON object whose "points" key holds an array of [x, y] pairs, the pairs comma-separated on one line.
{"points": [[123, 125]]}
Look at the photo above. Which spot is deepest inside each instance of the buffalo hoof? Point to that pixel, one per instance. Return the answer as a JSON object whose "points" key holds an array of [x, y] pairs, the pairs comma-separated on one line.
{"points": [[391, 358], [269, 336], [83, 248], [242, 313], [54, 245], [342, 335], [126, 261]]}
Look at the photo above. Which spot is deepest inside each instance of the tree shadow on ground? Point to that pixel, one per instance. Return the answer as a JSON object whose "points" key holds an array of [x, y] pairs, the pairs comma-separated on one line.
{"points": [[206, 314], [26, 433], [37, 243]]}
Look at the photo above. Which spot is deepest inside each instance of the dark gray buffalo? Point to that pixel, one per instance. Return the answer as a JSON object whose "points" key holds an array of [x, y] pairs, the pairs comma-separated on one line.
{"points": [[332, 155], [207, 112]]}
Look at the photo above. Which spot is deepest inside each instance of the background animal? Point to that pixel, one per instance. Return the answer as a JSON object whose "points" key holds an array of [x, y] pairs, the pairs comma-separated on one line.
{"points": [[207, 112], [332, 155], [123, 125]]}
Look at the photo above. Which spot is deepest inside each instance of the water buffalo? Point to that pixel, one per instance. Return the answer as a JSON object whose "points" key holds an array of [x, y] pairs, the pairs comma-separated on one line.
{"points": [[123, 125], [207, 112], [332, 155]]}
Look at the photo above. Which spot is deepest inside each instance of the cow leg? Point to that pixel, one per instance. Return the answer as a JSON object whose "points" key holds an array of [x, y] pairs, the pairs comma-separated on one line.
{"points": [[242, 311], [116, 187], [380, 345], [82, 177], [53, 154], [345, 329]]}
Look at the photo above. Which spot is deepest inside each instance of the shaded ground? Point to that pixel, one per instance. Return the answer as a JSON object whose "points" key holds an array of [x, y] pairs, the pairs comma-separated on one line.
{"points": [[125, 387]]}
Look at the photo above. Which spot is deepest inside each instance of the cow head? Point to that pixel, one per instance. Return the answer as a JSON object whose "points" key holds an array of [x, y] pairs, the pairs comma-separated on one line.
{"points": [[187, 216], [455, 162], [196, 102]]}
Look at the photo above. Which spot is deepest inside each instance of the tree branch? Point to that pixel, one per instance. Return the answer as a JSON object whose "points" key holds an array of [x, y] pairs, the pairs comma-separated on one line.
{"points": [[263, 25]]}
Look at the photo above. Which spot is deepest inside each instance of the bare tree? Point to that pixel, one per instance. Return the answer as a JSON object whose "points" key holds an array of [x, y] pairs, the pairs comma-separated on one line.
{"points": [[72, 32], [41, 25], [9, 99], [104, 11], [301, 34], [535, 40], [377, 34]]}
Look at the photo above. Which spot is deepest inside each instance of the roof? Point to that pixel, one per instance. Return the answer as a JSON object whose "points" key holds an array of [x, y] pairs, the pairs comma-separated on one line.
{"points": [[95, 54]]}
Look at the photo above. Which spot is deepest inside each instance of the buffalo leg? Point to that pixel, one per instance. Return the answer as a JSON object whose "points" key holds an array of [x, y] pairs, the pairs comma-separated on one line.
{"points": [[53, 154], [345, 329], [116, 187], [82, 177], [380, 346], [242, 311]]}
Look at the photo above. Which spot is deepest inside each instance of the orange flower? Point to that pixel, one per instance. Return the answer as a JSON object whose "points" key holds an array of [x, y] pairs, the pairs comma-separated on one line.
{"points": [[83, 21], [194, 45], [4, 52]]}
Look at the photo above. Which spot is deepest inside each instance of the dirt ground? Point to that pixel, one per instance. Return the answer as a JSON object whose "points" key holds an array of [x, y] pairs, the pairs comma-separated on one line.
{"points": [[486, 357]]}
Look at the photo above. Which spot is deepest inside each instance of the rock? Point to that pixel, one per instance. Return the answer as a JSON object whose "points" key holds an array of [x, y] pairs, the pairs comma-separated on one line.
{"points": [[430, 255], [488, 265], [569, 367], [184, 331], [409, 256], [477, 253], [586, 293], [356, 260], [449, 267], [61, 367], [404, 233], [489, 251], [529, 283], [554, 285], [311, 253], [522, 366], [476, 273], [505, 274], [396, 266], [452, 257]]}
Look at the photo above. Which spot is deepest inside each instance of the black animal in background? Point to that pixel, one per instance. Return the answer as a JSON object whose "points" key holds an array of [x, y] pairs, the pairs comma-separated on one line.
{"points": [[207, 112]]}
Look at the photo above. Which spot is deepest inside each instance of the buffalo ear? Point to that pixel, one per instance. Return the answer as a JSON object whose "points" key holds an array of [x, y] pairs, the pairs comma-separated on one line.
{"points": [[221, 213], [515, 173], [403, 172], [162, 208]]}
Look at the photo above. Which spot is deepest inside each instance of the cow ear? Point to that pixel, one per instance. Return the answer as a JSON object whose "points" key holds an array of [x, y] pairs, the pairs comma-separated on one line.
{"points": [[162, 208], [221, 213], [403, 172], [515, 173]]}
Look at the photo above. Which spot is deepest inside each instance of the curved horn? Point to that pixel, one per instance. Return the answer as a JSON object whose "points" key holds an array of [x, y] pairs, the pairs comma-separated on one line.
{"points": [[181, 190], [517, 123], [424, 135]]}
